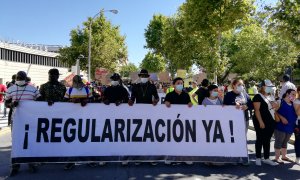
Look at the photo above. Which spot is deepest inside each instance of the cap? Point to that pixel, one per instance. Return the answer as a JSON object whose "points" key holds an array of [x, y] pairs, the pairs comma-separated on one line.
{"points": [[53, 71], [144, 72], [266, 82], [22, 74], [115, 76]]}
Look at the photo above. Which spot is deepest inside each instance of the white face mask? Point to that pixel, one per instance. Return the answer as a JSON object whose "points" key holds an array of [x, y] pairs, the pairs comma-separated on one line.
{"points": [[240, 89], [114, 83], [20, 83], [144, 80]]}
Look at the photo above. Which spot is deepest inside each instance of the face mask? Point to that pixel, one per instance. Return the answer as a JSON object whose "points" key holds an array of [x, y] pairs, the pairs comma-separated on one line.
{"points": [[114, 83], [269, 90], [20, 83], [240, 89], [144, 80], [179, 87], [214, 94], [292, 98]]}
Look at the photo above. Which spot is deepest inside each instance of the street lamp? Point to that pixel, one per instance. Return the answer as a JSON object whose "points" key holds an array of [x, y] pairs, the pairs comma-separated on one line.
{"points": [[114, 11]]}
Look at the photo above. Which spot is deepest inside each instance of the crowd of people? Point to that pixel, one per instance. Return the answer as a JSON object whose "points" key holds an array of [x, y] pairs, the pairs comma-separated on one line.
{"points": [[274, 113]]}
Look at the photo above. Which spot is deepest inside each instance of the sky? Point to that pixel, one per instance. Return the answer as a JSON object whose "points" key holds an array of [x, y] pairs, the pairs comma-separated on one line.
{"points": [[50, 21]]}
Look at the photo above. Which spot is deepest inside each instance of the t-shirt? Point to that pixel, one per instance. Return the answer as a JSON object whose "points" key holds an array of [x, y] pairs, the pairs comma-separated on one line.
{"points": [[78, 93], [116, 93], [22, 93], [202, 93], [287, 110], [144, 93], [175, 98], [2, 90], [208, 101], [264, 112]]}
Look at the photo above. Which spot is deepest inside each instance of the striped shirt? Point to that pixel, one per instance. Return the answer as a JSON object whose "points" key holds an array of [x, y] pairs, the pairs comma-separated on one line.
{"points": [[22, 93], [76, 93]]}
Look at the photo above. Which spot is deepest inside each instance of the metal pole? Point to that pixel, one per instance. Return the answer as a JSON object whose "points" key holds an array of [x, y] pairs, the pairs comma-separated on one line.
{"points": [[89, 58]]}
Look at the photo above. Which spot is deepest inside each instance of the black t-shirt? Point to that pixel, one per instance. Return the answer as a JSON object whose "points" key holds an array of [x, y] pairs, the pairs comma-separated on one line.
{"points": [[174, 98], [264, 112], [116, 93], [202, 93], [143, 93]]}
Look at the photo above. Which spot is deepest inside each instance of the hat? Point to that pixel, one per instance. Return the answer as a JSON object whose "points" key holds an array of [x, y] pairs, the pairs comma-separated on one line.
{"points": [[22, 74], [144, 72], [53, 71], [266, 82], [115, 76]]}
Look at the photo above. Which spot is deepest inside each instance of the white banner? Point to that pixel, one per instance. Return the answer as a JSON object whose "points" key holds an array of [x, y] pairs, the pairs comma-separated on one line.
{"points": [[97, 132]]}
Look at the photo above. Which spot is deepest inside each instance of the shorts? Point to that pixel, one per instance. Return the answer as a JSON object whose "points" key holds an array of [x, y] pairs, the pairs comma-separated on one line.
{"points": [[281, 139]]}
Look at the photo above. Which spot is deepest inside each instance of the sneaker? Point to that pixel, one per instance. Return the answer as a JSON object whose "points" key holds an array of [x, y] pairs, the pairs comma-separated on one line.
{"points": [[69, 166], [189, 162], [258, 162], [32, 168], [124, 163], [270, 162]]}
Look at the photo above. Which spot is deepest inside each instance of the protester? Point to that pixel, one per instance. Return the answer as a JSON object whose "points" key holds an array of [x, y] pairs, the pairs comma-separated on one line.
{"points": [[193, 90], [285, 85], [239, 98], [53, 90], [264, 122], [297, 128], [213, 98], [144, 92], [78, 93], [13, 81], [21, 91], [116, 93], [285, 127], [178, 96], [202, 92], [2, 94]]}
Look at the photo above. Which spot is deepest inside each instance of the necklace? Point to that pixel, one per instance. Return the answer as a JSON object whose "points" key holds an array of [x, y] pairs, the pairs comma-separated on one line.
{"points": [[144, 92]]}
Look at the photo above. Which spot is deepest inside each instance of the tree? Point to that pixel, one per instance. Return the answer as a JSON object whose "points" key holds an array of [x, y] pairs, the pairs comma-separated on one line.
{"points": [[127, 69], [153, 62], [108, 46]]}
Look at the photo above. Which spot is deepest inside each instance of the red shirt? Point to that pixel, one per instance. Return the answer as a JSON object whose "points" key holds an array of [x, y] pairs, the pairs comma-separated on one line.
{"points": [[2, 90]]}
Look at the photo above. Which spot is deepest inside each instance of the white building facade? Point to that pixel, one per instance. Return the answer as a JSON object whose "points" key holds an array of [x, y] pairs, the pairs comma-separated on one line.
{"points": [[36, 63]]}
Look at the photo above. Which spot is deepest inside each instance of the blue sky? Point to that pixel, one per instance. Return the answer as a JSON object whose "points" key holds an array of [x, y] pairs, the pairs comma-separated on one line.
{"points": [[50, 21]]}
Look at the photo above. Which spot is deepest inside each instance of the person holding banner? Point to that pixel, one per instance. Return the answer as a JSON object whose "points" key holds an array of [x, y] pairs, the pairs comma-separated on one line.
{"points": [[264, 121], [213, 98], [116, 93], [21, 91], [144, 92], [178, 96], [53, 90], [239, 98]]}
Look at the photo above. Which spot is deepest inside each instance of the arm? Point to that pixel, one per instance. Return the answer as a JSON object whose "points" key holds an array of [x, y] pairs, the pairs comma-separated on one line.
{"points": [[281, 118], [258, 115], [155, 94]]}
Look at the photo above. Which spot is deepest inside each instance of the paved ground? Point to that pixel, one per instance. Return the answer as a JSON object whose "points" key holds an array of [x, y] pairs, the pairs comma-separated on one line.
{"points": [[146, 171]]}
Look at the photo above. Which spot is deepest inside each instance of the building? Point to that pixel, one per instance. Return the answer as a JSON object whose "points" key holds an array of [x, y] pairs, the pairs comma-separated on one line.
{"points": [[35, 60]]}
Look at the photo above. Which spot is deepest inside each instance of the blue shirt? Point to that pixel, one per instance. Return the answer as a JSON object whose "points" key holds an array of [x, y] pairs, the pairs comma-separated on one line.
{"points": [[289, 113]]}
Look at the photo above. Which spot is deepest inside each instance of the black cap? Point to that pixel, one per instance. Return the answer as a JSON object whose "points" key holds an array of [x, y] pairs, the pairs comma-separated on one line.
{"points": [[144, 72], [22, 74], [53, 71], [115, 76]]}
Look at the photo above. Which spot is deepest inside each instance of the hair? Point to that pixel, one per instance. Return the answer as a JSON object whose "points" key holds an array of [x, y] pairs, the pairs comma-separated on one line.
{"points": [[14, 77], [212, 87], [286, 78], [234, 82], [287, 92], [298, 88], [205, 82], [177, 79]]}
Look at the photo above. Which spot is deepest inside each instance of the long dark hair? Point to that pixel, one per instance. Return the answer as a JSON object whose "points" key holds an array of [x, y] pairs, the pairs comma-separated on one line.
{"points": [[287, 93]]}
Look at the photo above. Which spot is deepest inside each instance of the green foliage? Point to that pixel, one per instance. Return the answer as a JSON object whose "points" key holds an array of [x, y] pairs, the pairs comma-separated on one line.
{"points": [[108, 46], [127, 69], [153, 62]]}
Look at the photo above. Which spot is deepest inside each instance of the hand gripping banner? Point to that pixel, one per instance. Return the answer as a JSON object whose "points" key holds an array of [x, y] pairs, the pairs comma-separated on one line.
{"points": [[67, 132]]}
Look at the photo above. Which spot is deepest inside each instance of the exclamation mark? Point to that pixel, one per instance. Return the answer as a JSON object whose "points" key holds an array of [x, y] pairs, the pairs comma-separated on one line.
{"points": [[25, 144], [231, 131]]}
